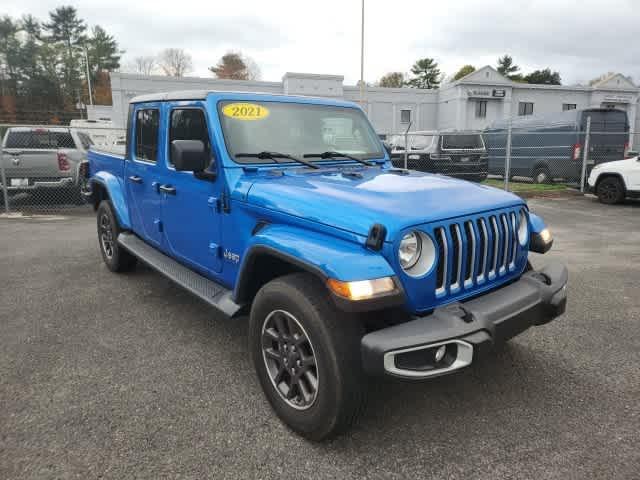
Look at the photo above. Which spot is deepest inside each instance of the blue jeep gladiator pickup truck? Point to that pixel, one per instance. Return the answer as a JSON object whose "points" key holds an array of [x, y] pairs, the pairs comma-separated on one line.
{"points": [[288, 209]]}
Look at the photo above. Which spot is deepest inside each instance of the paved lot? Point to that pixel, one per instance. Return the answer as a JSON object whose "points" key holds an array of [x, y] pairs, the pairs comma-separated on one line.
{"points": [[108, 376]]}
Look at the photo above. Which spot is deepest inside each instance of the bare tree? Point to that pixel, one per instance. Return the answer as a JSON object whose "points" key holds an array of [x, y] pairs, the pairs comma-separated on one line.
{"points": [[253, 70], [175, 62], [144, 65]]}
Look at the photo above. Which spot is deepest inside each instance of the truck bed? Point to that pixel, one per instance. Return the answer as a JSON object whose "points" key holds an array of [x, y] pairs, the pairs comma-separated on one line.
{"points": [[108, 159]]}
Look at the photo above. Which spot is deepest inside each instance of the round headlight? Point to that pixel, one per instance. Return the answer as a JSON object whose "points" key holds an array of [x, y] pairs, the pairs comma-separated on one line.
{"points": [[523, 228], [410, 250], [417, 253]]}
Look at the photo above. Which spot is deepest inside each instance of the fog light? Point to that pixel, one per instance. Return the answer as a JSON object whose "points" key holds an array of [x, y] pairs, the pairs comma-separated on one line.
{"points": [[440, 352], [545, 235]]}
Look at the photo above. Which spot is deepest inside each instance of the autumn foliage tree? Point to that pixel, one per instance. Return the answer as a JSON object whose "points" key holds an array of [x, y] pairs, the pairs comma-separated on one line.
{"points": [[235, 66], [392, 80]]}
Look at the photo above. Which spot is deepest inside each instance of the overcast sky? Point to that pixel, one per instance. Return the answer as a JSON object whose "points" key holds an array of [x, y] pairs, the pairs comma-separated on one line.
{"points": [[579, 39]]}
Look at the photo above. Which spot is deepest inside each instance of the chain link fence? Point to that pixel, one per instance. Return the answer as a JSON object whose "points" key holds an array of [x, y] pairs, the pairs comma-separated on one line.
{"points": [[43, 167], [515, 159]]}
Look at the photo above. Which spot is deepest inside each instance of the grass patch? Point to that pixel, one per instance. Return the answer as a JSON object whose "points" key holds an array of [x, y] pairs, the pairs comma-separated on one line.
{"points": [[526, 187]]}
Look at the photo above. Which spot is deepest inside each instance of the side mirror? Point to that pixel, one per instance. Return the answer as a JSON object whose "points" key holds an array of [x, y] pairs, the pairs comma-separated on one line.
{"points": [[189, 156], [387, 147]]}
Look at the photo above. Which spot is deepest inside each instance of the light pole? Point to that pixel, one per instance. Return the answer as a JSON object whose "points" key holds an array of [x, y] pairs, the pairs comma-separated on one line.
{"points": [[362, 58], [86, 62]]}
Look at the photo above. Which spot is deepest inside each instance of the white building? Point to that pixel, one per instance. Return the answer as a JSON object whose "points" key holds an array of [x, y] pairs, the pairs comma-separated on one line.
{"points": [[472, 102]]}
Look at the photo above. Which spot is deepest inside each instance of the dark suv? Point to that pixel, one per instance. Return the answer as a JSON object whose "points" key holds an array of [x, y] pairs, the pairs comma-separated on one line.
{"points": [[456, 154]]}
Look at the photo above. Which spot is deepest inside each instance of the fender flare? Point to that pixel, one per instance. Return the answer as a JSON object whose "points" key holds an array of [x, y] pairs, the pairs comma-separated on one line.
{"points": [[602, 175], [115, 190], [536, 223], [320, 254]]}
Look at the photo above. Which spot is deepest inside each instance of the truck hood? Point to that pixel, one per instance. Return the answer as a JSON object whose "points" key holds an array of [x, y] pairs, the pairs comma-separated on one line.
{"points": [[353, 199]]}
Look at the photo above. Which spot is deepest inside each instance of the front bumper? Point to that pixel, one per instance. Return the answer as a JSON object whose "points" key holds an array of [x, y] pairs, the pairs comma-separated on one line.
{"points": [[466, 329]]}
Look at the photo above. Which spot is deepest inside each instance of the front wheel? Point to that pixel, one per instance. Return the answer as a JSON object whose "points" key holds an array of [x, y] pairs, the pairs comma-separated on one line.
{"points": [[306, 354], [610, 190], [541, 175]]}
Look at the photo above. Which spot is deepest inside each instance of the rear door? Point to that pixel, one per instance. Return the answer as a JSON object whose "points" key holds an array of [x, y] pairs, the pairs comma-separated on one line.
{"points": [[190, 210], [609, 135], [461, 154], [142, 173]]}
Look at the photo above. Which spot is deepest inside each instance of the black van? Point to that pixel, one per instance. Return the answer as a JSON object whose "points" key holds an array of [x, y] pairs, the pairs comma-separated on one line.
{"points": [[547, 147], [460, 154]]}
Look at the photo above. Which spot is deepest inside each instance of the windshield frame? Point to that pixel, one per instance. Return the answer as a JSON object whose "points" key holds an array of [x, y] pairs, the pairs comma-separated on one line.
{"points": [[378, 155]]}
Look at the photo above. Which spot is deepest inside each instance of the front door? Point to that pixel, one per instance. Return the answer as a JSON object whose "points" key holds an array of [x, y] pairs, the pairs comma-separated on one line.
{"points": [[142, 173], [634, 176], [190, 204]]}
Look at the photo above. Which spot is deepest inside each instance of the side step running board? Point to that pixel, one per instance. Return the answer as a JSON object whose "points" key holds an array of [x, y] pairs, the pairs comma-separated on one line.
{"points": [[211, 292]]}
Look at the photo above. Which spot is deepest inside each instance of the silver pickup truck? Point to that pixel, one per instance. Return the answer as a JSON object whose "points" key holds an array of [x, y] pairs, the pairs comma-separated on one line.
{"points": [[37, 158]]}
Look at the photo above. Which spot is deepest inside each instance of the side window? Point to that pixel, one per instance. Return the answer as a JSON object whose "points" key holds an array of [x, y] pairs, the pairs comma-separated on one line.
{"points": [[147, 122], [85, 140], [188, 124]]}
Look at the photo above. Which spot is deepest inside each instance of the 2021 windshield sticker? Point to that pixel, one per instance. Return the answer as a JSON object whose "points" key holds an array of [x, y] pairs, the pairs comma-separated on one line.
{"points": [[245, 111]]}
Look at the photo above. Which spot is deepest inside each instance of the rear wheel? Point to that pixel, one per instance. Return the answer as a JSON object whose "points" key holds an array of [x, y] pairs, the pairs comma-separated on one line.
{"points": [[610, 190], [541, 175], [306, 354], [115, 257]]}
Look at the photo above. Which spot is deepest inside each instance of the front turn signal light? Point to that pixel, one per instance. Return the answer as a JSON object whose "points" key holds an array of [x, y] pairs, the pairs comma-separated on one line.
{"points": [[541, 242], [362, 289]]}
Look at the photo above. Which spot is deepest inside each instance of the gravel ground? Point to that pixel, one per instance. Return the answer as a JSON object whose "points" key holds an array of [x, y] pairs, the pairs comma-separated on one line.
{"points": [[126, 376]]}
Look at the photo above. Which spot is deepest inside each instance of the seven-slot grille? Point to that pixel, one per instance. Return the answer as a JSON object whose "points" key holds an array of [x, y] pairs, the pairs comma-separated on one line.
{"points": [[474, 251]]}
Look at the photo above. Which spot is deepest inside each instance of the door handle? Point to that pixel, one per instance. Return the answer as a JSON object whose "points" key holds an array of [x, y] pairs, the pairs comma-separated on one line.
{"points": [[135, 179], [168, 189]]}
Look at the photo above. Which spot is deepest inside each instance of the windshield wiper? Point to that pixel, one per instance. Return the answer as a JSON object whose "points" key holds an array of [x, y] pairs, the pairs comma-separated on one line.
{"points": [[274, 155], [328, 155]]}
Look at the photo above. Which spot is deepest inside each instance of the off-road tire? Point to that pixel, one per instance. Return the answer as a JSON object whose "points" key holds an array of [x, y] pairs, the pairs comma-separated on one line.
{"points": [[541, 175], [610, 190], [335, 337], [116, 258]]}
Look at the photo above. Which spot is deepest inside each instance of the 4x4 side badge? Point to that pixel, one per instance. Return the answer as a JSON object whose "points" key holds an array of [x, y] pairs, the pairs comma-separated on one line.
{"points": [[232, 257]]}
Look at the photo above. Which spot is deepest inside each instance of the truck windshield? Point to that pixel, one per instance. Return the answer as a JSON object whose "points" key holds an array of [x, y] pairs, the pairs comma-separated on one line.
{"points": [[296, 129]]}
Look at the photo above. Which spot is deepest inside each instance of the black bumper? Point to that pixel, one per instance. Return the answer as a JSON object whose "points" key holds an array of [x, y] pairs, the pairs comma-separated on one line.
{"points": [[473, 326]]}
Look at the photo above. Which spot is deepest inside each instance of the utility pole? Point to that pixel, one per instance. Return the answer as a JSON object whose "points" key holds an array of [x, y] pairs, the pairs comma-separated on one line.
{"points": [[362, 58]]}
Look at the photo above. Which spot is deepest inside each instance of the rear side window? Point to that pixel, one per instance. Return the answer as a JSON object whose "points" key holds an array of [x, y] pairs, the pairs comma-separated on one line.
{"points": [[85, 140], [188, 124], [147, 123], [451, 142], [40, 140]]}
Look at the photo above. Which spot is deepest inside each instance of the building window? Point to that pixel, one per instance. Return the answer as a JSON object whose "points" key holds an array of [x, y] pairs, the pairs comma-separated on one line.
{"points": [[568, 106], [405, 116], [525, 108], [481, 108]]}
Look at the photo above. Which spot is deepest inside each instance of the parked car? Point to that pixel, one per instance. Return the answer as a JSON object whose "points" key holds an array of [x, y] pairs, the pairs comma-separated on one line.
{"points": [[548, 147], [346, 265], [456, 154], [612, 182], [45, 158]]}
